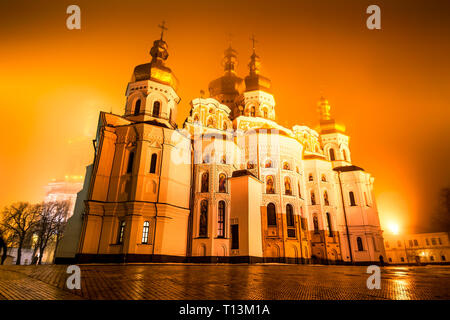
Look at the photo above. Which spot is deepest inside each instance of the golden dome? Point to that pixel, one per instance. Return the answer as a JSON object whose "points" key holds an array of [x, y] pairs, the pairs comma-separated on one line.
{"points": [[226, 88], [255, 81], [156, 70]]}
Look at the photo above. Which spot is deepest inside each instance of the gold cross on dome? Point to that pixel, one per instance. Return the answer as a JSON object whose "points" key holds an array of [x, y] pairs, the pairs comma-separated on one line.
{"points": [[253, 41], [163, 27]]}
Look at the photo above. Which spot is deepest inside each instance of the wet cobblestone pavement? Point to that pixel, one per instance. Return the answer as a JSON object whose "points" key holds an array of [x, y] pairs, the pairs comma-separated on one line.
{"points": [[223, 282]]}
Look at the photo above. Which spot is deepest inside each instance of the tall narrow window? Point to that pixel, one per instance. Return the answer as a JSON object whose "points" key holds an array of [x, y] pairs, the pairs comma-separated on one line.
{"points": [[145, 232], [325, 198], [365, 199], [137, 107], [316, 224], [299, 190], [360, 244], [252, 112], [289, 215], [221, 220], [345, 155], [156, 108], [287, 186], [271, 215], [234, 236], [310, 177], [265, 113], [203, 226], [332, 156], [330, 229], [268, 164], [205, 182], [313, 198], [153, 163], [130, 162], [352, 198], [222, 182], [170, 116], [121, 232]]}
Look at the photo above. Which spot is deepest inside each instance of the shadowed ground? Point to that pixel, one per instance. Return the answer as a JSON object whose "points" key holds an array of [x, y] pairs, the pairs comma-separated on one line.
{"points": [[223, 282]]}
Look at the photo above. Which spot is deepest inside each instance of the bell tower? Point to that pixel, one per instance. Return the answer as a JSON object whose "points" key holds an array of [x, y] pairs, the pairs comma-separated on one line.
{"points": [[151, 93], [258, 100], [334, 141]]}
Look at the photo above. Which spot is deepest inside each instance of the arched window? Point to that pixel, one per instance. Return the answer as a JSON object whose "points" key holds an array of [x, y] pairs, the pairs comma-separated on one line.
{"points": [[121, 232], [156, 108], [196, 118], [345, 155], [271, 215], [250, 165], [332, 156], [316, 224], [268, 164], [221, 220], [310, 177], [325, 198], [203, 226], [222, 182], [287, 186], [360, 244], [206, 158], [352, 198], [265, 113], [269, 185], [286, 166], [289, 215], [205, 182], [210, 122], [153, 163], [225, 127], [330, 228], [252, 112], [324, 178], [130, 162], [313, 198], [137, 107], [145, 232]]}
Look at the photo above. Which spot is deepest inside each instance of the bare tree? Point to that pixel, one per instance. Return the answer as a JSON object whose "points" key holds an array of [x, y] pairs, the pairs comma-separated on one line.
{"points": [[50, 226], [18, 220], [3, 247]]}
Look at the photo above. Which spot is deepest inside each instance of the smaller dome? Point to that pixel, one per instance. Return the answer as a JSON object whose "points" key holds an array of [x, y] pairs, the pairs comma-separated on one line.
{"points": [[228, 86]]}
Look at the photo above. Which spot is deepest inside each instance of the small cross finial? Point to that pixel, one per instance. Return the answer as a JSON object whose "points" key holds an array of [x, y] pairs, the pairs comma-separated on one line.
{"points": [[230, 38], [253, 41], [163, 27]]}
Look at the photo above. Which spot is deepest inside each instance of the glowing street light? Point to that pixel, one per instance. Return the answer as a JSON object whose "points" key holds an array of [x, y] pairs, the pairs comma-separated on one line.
{"points": [[394, 228]]}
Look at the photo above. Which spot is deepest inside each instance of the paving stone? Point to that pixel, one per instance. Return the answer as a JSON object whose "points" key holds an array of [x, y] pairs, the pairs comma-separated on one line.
{"points": [[223, 282]]}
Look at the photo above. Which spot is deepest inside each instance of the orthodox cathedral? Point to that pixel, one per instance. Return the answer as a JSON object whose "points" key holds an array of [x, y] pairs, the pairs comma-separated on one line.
{"points": [[231, 185]]}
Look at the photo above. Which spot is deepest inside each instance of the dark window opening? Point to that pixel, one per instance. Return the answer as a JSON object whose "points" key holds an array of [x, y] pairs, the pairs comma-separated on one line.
{"points": [[153, 163], [271, 215]]}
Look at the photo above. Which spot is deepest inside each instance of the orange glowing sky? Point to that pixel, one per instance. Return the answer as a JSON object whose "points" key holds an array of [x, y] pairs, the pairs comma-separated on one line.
{"points": [[389, 87]]}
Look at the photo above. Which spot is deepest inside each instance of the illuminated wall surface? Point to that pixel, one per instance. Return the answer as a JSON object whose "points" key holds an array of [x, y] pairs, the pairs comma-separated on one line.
{"points": [[390, 86]]}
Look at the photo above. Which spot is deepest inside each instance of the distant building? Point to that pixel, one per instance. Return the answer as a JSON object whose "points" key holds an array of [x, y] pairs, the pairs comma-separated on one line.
{"points": [[418, 248], [64, 190]]}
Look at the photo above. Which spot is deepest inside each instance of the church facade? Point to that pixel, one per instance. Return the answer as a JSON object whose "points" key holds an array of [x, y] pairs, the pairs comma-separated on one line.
{"points": [[231, 185]]}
